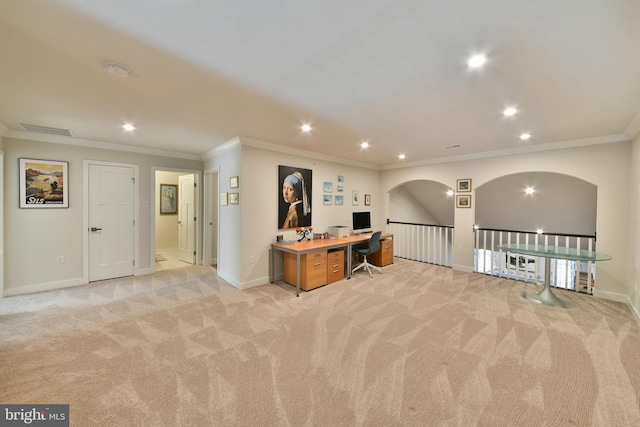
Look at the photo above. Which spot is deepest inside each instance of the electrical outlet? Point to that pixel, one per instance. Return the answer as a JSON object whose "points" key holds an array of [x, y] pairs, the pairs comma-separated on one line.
{"points": [[60, 259]]}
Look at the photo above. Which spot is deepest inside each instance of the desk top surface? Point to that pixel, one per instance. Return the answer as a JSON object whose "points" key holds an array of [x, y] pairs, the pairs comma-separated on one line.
{"points": [[556, 252], [317, 244]]}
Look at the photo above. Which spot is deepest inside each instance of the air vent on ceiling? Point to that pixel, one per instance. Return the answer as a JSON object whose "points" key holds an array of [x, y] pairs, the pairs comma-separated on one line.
{"points": [[45, 129], [452, 146]]}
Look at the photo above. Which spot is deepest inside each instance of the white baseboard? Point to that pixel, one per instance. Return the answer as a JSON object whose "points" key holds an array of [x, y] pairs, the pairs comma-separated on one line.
{"points": [[611, 296], [28, 289], [464, 268]]}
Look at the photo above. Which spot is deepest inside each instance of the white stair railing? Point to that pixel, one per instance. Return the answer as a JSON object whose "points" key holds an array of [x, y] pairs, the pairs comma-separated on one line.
{"points": [[428, 243], [566, 274]]}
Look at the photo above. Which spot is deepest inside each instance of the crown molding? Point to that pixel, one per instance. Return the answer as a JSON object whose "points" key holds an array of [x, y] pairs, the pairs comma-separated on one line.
{"points": [[78, 142]]}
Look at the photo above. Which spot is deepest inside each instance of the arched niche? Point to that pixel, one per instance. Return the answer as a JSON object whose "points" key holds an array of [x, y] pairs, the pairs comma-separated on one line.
{"points": [[559, 204], [422, 202]]}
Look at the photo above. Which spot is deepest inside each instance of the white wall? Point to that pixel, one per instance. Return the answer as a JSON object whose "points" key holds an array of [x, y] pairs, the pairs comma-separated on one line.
{"points": [[607, 166], [403, 207], [37, 236]]}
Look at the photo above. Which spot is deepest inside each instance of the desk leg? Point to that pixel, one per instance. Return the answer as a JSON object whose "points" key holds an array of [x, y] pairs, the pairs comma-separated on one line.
{"points": [[298, 274], [545, 296], [271, 267], [347, 255]]}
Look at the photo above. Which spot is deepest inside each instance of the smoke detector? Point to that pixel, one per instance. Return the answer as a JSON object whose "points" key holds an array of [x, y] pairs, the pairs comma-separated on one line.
{"points": [[117, 69]]}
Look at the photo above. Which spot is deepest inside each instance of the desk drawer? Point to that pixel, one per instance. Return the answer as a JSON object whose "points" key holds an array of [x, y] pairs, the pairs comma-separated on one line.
{"points": [[313, 269], [335, 266], [385, 255]]}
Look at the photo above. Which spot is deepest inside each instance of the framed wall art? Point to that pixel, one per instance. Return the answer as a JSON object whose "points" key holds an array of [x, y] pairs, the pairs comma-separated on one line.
{"points": [[367, 199], [234, 182], [463, 201], [43, 184], [234, 198], [224, 199], [354, 198], [168, 199], [464, 185], [294, 197]]}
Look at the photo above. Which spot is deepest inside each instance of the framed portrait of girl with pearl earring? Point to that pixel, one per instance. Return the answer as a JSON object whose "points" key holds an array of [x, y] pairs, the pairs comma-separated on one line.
{"points": [[294, 197]]}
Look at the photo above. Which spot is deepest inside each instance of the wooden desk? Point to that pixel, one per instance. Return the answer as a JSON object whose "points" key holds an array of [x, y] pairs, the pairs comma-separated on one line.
{"points": [[309, 246]]}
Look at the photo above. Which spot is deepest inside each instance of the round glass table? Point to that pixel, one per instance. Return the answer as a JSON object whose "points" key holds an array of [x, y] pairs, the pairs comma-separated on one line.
{"points": [[545, 296]]}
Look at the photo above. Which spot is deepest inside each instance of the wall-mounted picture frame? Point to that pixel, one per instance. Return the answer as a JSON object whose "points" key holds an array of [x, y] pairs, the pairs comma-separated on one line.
{"points": [[464, 185], [340, 188], [367, 199], [354, 198], [234, 198], [463, 201], [224, 199], [295, 198], [339, 200], [168, 199], [340, 178], [234, 182], [327, 187], [327, 199], [43, 184]]}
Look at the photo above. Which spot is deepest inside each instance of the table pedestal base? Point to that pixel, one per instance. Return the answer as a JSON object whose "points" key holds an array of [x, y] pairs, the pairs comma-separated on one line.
{"points": [[546, 297]]}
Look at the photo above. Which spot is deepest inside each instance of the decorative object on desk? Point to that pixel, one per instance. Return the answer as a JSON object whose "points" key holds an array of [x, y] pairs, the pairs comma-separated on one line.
{"points": [[224, 199], [328, 187], [279, 238], [339, 200], [464, 185], [304, 233], [367, 199], [354, 197], [294, 197], [168, 199], [234, 198], [340, 178], [43, 184], [234, 182], [463, 201], [327, 199]]}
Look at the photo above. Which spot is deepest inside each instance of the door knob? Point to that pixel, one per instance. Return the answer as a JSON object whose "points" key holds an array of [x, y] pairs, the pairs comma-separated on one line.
{"points": [[96, 229]]}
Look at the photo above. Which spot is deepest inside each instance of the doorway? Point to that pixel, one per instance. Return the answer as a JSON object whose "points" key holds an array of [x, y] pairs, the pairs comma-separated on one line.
{"points": [[176, 237], [109, 220]]}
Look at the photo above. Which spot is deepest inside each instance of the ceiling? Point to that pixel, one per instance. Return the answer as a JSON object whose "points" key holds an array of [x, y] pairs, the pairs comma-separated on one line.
{"points": [[391, 72]]}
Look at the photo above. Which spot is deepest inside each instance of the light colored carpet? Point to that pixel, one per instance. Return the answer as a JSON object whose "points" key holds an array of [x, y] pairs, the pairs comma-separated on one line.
{"points": [[420, 345]]}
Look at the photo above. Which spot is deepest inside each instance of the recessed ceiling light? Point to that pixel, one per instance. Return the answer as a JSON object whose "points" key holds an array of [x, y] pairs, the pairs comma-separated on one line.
{"points": [[402, 156], [529, 190], [449, 193], [477, 61], [525, 136], [539, 231], [364, 144], [306, 128], [510, 111], [128, 127]]}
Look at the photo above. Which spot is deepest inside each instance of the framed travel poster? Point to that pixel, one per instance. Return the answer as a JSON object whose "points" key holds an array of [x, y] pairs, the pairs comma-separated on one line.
{"points": [[43, 184]]}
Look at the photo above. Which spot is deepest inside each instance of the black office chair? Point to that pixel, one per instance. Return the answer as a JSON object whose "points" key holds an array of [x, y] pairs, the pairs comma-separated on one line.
{"points": [[374, 246]]}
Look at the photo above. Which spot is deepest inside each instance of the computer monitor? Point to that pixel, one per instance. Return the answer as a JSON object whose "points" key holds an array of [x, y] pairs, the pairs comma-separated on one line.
{"points": [[361, 221]]}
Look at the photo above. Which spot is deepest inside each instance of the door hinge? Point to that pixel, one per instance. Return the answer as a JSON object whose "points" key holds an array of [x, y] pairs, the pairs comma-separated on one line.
{"points": [[134, 222], [195, 219], [133, 180], [195, 185], [194, 253], [134, 262]]}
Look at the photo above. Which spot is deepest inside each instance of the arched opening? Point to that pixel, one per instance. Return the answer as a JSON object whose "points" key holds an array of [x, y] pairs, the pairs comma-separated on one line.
{"points": [[421, 215], [539, 208]]}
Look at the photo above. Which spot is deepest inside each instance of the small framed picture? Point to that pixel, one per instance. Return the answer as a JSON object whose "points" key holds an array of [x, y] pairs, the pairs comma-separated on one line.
{"points": [[464, 185], [234, 182], [234, 198], [463, 201], [327, 187], [224, 199], [354, 198], [340, 188], [43, 184], [168, 199], [340, 178], [327, 199], [339, 200], [367, 199]]}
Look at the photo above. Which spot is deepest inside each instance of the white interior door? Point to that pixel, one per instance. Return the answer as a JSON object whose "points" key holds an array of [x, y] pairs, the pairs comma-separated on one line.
{"points": [[186, 219], [111, 222]]}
